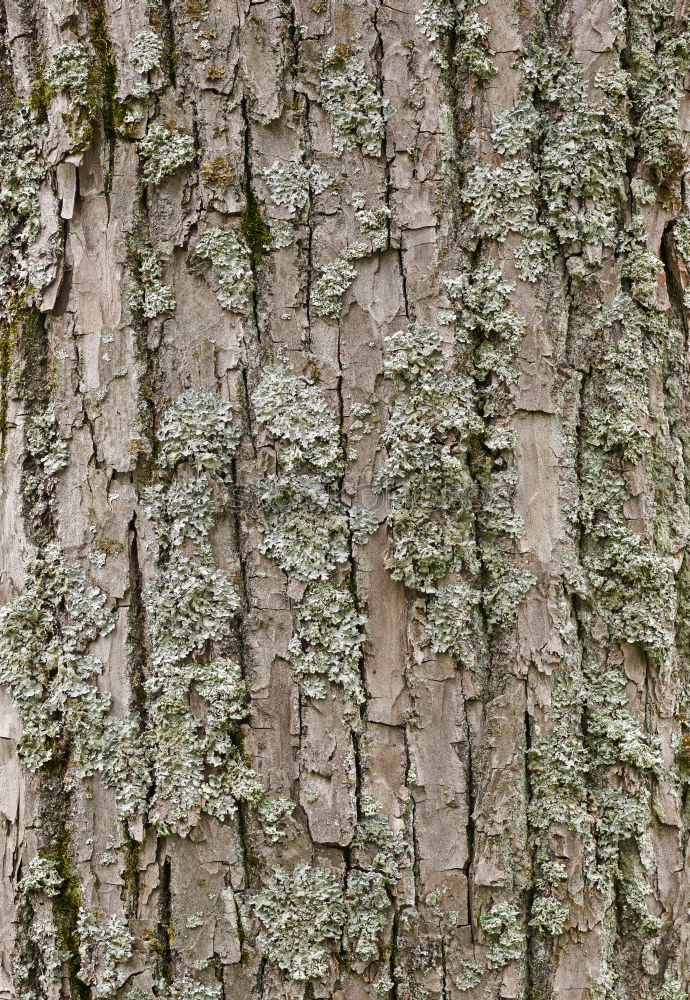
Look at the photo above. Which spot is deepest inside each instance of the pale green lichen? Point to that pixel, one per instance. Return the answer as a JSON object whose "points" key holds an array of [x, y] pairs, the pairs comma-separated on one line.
{"points": [[443, 20], [230, 261], [328, 640], [614, 734], [191, 608], [635, 891], [41, 876], [296, 414], [69, 69], [44, 444], [426, 474], [307, 529], [469, 977], [440, 417], [22, 171], [357, 111], [328, 290], [193, 604], [363, 523], [671, 990], [367, 912], [164, 151], [198, 428], [681, 234], [372, 221], [183, 510], [503, 922], [549, 915], [453, 621], [301, 911], [181, 988], [150, 296], [271, 814], [657, 57], [372, 830], [146, 51], [45, 663], [104, 946], [292, 184], [572, 192]]}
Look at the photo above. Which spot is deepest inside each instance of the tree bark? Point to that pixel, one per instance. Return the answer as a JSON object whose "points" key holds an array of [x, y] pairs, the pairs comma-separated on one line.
{"points": [[344, 412]]}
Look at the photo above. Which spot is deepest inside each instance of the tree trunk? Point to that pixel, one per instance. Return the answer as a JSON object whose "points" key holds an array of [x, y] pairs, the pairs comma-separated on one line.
{"points": [[344, 414]]}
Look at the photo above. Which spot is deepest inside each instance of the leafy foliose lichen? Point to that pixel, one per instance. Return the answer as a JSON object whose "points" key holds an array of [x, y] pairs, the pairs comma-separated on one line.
{"points": [[44, 444], [296, 413], [439, 422], [198, 428], [426, 473], [231, 265], [22, 171], [194, 604], [69, 69], [329, 288], [357, 111], [372, 221], [367, 911], [306, 530], [441, 20], [163, 151], [657, 58], [454, 622], [41, 876], [71, 73], [328, 641], [150, 297], [45, 661], [301, 911], [104, 945], [504, 923], [549, 915], [183, 510], [191, 608], [292, 184], [623, 564], [568, 193], [146, 51], [619, 561], [181, 988]]}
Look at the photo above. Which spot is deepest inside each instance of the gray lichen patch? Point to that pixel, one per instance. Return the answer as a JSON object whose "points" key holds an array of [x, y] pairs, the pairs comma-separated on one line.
{"points": [[357, 111], [230, 261], [164, 151]]}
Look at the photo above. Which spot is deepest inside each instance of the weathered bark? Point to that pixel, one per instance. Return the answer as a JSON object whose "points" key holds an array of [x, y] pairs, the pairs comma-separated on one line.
{"points": [[344, 400]]}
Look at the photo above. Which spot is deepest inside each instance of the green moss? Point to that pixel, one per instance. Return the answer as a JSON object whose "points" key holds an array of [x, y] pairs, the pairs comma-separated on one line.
{"points": [[131, 871], [66, 906], [254, 229], [7, 334], [27, 335], [105, 75], [40, 96]]}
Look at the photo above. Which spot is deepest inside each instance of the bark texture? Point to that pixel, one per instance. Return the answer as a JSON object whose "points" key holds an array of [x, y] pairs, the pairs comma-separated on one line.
{"points": [[344, 389]]}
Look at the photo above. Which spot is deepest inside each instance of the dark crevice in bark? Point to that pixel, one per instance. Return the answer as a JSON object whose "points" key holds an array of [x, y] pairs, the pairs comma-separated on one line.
{"points": [[470, 825], [164, 926], [252, 226]]}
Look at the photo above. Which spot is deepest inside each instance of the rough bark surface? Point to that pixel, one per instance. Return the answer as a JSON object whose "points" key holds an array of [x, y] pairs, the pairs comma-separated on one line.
{"points": [[344, 390]]}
